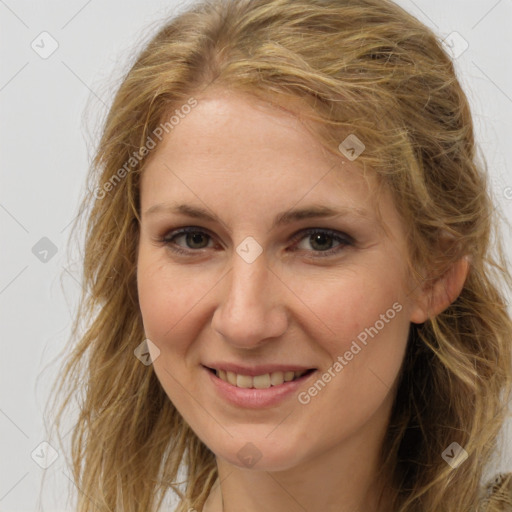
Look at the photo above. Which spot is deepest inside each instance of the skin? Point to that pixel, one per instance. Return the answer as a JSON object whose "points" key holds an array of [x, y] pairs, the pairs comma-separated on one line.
{"points": [[246, 161]]}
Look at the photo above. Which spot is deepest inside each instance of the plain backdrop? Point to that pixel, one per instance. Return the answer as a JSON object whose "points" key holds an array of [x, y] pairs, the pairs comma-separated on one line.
{"points": [[60, 64]]}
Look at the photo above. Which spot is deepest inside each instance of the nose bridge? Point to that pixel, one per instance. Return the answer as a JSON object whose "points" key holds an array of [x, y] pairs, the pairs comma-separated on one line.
{"points": [[248, 281], [249, 308]]}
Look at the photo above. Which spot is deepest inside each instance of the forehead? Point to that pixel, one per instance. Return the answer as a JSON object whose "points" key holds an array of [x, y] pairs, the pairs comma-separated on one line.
{"points": [[230, 137], [247, 157], [238, 131]]}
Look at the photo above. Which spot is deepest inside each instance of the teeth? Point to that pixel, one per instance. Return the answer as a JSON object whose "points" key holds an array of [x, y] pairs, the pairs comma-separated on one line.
{"points": [[231, 377], [259, 381], [243, 381], [277, 378], [289, 376]]}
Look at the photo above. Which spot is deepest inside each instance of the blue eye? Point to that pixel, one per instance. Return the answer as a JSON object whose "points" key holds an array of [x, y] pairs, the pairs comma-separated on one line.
{"points": [[197, 239]]}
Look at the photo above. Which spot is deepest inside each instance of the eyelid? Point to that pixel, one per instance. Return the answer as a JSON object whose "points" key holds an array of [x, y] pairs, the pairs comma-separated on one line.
{"points": [[343, 238], [331, 232], [167, 238]]}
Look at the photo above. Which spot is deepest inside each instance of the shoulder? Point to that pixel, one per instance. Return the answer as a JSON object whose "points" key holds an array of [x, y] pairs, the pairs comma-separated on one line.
{"points": [[497, 494]]}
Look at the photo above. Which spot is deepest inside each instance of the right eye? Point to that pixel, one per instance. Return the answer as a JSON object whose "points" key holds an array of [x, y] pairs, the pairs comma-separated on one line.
{"points": [[193, 237]]}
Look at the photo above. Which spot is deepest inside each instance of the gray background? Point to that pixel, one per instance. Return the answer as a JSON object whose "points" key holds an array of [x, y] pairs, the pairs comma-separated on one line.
{"points": [[51, 107]]}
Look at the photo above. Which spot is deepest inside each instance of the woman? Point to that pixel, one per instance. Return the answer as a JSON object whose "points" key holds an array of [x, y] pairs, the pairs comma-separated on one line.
{"points": [[290, 283]]}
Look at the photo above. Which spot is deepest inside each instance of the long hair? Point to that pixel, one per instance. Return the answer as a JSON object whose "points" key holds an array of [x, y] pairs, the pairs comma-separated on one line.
{"points": [[363, 67]]}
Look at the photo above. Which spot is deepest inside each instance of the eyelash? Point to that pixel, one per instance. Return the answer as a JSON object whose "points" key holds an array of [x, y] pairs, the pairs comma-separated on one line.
{"points": [[342, 238]]}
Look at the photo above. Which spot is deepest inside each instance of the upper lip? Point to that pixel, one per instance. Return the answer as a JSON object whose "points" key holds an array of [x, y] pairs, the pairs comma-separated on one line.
{"points": [[262, 369]]}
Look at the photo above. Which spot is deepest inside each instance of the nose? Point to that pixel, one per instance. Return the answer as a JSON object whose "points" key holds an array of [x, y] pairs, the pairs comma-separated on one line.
{"points": [[251, 311]]}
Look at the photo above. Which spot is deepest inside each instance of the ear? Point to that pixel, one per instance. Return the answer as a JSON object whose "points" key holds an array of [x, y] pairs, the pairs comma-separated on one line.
{"points": [[436, 295]]}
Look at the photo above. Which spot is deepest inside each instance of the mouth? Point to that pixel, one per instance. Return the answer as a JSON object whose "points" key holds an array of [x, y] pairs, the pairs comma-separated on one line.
{"points": [[263, 381]]}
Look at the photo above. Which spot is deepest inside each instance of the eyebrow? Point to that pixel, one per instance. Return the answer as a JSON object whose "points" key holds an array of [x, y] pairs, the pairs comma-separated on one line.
{"points": [[283, 218]]}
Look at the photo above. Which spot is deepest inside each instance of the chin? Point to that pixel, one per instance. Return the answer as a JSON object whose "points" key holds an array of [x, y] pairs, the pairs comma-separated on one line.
{"points": [[261, 454]]}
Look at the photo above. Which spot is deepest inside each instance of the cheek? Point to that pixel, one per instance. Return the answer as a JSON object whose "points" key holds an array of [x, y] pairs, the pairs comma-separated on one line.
{"points": [[153, 299], [358, 306], [173, 303], [165, 297], [366, 315], [366, 341]]}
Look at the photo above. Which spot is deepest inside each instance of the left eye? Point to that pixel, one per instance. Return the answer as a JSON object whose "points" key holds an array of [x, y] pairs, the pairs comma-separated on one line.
{"points": [[323, 239], [320, 239]]}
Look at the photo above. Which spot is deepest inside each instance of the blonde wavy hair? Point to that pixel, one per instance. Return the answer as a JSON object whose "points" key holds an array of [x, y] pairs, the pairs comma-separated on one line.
{"points": [[362, 66]]}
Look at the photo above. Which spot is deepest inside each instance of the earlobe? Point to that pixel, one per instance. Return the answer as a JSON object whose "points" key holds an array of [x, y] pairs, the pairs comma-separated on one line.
{"points": [[437, 295]]}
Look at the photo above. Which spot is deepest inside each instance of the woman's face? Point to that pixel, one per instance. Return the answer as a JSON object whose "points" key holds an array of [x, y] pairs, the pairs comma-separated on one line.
{"points": [[268, 284]]}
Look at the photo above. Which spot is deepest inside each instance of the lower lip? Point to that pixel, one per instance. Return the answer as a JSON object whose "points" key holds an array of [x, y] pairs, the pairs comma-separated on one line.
{"points": [[257, 398]]}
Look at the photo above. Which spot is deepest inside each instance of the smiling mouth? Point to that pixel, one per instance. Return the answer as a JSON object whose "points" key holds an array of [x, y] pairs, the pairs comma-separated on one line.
{"points": [[264, 381]]}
